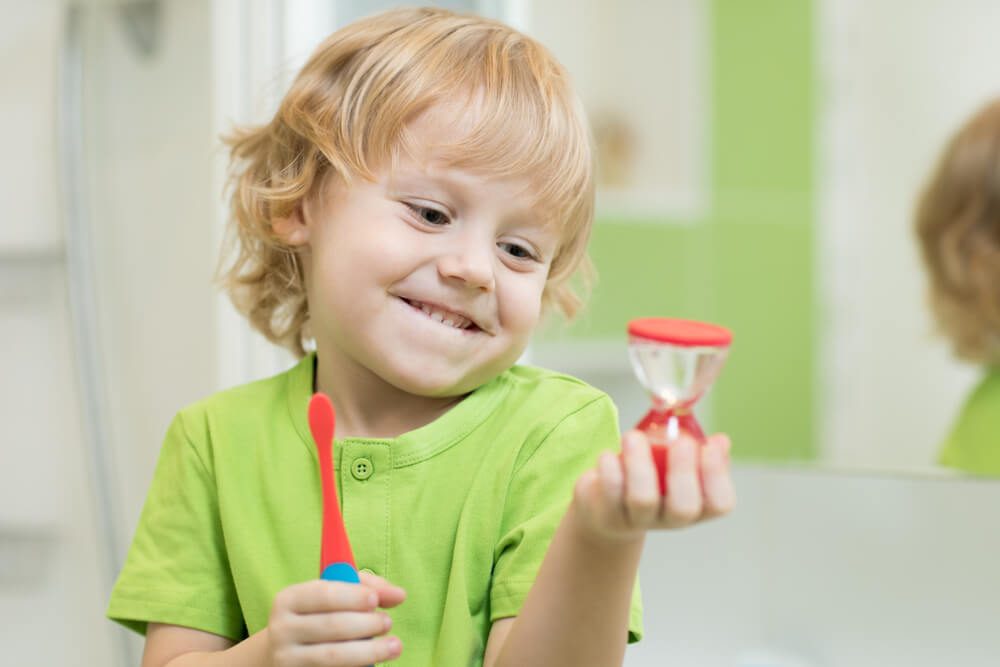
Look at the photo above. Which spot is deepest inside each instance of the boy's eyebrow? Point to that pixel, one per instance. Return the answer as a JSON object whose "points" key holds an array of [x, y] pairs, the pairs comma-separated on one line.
{"points": [[415, 179]]}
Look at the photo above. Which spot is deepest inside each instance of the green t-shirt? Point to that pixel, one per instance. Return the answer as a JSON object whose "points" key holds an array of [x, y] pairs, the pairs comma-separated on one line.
{"points": [[974, 442], [459, 512]]}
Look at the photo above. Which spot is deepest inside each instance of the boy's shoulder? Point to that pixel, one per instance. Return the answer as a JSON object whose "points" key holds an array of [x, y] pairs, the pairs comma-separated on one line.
{"points": [[248, 406], [552, 391], [535, 377], [972, 444], [549, 411]]}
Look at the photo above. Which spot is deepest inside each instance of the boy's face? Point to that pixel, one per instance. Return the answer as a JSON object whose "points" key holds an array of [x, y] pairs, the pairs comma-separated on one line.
{"points": [[430, 278]]}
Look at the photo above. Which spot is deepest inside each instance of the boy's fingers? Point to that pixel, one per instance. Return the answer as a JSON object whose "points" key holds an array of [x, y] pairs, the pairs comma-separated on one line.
{"points": [[340, 626], [611, 478], [683, 503], [389, 595], [717, 483], [375, 581], [642, 492], [724, 443], [362, 652], [320, 596]]}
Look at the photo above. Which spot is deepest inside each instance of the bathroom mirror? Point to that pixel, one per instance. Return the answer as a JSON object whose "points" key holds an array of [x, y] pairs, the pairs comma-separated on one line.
{"points": [[759, 168]]}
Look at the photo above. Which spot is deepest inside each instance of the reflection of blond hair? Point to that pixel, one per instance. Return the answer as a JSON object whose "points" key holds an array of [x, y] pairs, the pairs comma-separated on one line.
{"points": [[345, 116], [958, 224]]}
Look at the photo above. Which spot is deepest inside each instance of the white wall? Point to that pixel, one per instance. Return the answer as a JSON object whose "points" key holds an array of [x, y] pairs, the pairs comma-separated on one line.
{"points": [[51, 566], [820, 569], [148, 206], [150, 202]]}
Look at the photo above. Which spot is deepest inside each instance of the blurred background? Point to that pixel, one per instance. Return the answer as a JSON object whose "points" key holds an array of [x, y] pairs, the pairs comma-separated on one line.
{"points": [[759, 165]]}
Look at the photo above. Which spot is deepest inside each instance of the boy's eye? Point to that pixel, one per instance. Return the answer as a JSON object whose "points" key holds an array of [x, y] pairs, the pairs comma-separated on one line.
{"points": [[431, 216], [515, 250]]}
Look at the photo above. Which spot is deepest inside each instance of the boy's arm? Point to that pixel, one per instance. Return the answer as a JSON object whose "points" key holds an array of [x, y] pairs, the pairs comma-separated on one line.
{"points": [[577, 610], [176, 646]]}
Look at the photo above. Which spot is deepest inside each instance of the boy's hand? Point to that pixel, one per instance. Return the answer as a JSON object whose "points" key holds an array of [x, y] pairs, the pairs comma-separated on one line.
{"points": [[619, 500], [330, 623]]}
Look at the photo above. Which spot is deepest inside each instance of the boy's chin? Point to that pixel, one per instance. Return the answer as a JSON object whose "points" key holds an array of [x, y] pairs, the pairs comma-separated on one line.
{"points": [[429, 386]]}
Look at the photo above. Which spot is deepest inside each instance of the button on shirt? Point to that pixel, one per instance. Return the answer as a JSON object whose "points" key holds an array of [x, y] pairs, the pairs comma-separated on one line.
{"points": [[362, 469], [365, 497]]}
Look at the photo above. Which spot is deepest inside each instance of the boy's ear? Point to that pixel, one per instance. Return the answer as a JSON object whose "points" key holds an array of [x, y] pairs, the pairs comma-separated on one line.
{"points": [[291, 229]]}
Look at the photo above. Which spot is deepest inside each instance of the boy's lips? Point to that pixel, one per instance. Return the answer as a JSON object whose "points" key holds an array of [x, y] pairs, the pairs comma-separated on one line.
{"points": [[447, 315]]}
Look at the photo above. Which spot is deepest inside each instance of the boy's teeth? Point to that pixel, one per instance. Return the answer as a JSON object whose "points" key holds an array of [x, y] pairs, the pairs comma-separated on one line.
{"points": [[444, 317]]}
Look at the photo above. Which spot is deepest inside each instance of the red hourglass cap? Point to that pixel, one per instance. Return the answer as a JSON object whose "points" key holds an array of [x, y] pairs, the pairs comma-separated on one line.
{"points": [[684, 333]]}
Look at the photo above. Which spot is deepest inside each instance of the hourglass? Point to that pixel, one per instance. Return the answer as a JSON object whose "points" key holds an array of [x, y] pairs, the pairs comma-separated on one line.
{"points": [[676, 361]]}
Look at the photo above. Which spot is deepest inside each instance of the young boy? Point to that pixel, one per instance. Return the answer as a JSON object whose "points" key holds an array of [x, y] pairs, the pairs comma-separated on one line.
{"points": [[421, 196], [958, 227]]}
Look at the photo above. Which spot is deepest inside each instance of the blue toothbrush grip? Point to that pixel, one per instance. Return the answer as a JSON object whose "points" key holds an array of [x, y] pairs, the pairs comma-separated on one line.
{"points": [[341, 572]]}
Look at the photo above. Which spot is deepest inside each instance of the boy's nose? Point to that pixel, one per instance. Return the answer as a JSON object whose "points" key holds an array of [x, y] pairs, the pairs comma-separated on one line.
{"points": [[469, 263]]}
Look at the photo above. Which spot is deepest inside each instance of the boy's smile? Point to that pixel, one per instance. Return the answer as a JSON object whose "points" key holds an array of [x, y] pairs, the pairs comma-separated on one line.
{"points": [[450, 318], [426, 282]]}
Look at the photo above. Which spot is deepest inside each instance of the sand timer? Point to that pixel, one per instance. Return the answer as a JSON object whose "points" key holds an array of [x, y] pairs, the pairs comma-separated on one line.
{"points": [[676, 361]]}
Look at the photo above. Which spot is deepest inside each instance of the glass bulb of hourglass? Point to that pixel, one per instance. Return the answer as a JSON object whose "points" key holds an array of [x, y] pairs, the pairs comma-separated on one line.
{"points": [[675, 377]]}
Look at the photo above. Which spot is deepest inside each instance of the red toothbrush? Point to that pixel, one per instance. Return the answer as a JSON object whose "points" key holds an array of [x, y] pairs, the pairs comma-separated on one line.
{"points": [[336, 562]]}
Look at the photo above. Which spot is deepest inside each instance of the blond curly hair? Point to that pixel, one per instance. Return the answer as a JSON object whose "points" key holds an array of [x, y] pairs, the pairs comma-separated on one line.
{"points": [[345, 116], [958, 226]]}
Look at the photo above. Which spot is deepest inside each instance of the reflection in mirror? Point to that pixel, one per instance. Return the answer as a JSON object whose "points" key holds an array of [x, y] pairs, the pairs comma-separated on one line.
{"points": [[958, 225], [809, 132]]}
